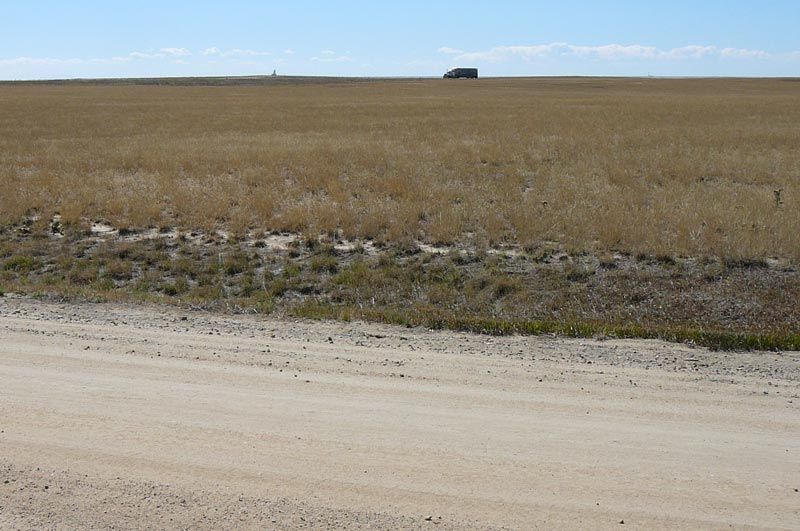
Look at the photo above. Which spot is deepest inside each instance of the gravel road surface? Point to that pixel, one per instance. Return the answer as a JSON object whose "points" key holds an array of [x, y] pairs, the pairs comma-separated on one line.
{"points": [[120, 416]]}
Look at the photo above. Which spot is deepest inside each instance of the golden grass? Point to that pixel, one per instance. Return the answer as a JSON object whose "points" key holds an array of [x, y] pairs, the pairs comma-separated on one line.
{"points": [[659, 166]]}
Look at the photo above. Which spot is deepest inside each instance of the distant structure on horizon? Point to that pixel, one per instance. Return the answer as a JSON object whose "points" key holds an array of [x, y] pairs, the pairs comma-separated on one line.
{"points": [[274, 73], [462, 73]]}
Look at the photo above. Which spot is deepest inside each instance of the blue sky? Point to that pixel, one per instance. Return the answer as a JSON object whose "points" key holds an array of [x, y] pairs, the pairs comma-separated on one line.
{"points": [[60, 39]]}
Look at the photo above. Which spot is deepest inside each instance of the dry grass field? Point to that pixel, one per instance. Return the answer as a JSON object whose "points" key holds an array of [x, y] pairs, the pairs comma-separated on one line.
{"points": [[678, 167], [588, 207]]}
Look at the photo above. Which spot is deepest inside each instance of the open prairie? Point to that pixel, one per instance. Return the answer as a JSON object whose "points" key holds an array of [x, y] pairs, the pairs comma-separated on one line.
{"points": [[681, 167], [628, 207]]}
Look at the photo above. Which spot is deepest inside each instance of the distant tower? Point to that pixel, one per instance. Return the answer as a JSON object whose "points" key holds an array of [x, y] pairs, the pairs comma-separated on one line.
{"points": [[274, 73]]}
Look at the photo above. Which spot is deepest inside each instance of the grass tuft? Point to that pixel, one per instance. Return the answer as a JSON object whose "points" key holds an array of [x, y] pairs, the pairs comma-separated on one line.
{"points": [[21, 264]]}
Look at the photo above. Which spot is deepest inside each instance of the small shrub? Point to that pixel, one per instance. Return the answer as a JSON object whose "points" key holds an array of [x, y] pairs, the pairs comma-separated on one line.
{"points": [[103, 284], [506, 285], [607, 261], [577, 272], [291, 270], [185, 267], [386, 260], [235, 263], [208, 292], [403, 247], [459, 258], [83, 273], [714, 271], [178, 287], [119, 269], [742, 263], [247, 285], [445, 273], [355, 274], [21, 264], [324, 264], [278, 287], [263, 303], [665, 259], [326, 249]]}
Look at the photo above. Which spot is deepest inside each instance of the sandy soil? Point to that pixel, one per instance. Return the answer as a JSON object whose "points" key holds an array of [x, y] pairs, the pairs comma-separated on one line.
{"points": [[140, 417]]}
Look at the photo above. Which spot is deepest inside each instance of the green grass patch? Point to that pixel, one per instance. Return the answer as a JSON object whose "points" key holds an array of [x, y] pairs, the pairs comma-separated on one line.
{"points": [[21, 264], [324, 264], [438, 320]]}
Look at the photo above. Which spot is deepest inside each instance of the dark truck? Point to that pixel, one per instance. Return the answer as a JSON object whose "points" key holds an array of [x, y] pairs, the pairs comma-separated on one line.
{"points": [[462, 73]]}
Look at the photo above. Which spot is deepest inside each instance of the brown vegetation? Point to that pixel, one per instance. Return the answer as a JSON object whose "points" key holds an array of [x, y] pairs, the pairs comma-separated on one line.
{"points": [[718, 303], [665, 167]]}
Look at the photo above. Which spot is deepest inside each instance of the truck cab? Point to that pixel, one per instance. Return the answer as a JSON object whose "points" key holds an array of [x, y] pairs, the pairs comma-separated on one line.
{"points": [[462, 73]]}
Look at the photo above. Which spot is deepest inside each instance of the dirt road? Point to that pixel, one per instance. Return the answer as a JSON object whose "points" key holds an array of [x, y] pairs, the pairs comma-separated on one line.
{"points": [[123, 416]]}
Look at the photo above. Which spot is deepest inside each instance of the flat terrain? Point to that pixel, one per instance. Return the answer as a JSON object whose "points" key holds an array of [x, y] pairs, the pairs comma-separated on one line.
{"points": [[687, 167], [613, 207], [125, 416]]}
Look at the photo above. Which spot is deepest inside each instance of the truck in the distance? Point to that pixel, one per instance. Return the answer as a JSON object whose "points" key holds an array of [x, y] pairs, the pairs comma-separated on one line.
{"points": [[462, 73]]}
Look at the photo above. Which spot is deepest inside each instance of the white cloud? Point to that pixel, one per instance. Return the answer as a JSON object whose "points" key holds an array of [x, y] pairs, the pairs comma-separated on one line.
{"points": [[689, 52], [176, 52], [143, 55], [163, 52], [605, 52], [237, 52], [40, 61], [328, 52], [450, 51], [613, 51], [743, 53], [289, 51], [504, 53], [176, 55]]}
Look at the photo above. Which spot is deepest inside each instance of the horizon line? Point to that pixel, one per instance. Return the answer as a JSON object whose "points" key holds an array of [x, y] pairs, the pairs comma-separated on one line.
{"points": [[377, 78]]}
